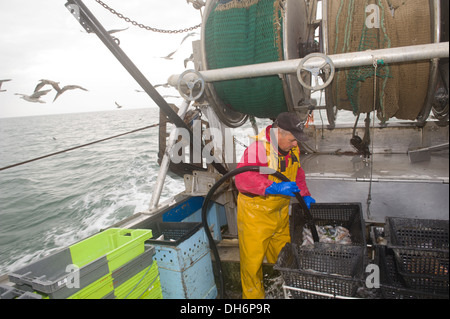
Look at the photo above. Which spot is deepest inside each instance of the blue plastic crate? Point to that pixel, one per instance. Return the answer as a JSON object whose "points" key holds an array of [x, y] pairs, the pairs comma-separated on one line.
{"points": [[182, 255]]}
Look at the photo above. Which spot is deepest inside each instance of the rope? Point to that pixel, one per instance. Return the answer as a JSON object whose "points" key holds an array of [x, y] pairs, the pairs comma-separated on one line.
{"points": [[369, 196], [76, 147]]}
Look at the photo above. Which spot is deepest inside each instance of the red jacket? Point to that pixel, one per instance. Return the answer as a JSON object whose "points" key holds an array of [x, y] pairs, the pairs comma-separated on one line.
{"points": [[255, 183]]}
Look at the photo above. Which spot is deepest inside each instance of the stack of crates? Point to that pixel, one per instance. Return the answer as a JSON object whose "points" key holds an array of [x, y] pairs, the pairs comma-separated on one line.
{"points": [[184, 260], [324, 270], [114, 263], [417, 253]]}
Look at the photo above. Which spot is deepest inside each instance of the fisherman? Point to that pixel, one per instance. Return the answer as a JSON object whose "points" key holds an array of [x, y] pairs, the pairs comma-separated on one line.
{"points": [[263, 201]]}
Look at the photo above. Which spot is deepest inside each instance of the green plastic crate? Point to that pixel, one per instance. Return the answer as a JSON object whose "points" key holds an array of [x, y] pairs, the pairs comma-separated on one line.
{"points": [[104, 287], [118, 244], [138, 286], [96, 290], [96, 257], [154, 292]]}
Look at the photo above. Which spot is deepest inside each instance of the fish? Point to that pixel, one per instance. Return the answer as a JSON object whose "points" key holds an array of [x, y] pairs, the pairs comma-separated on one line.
{"points": [[327, 234]]}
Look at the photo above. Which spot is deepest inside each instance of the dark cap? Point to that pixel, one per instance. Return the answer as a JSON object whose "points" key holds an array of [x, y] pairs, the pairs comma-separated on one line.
{"points": [[290, 122]]}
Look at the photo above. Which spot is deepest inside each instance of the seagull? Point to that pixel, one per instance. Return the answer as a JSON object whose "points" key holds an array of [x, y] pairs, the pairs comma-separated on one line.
{"points": [[190, 59], [109, 31], [42, 83], [56, 86], [165, 85], [1, 82], [174, 96], [118, 106], [65, 88], [169, 56], [35, 97], [116, 30], [191, 34]]}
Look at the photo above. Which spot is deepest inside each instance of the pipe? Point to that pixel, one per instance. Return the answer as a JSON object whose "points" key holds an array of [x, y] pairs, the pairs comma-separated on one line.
{"points": [[344, 60], [212, 244]]}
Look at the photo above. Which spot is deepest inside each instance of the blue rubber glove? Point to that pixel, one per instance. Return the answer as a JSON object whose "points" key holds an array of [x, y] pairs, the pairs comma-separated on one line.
{"points": [[283, 188], [309, 200]]}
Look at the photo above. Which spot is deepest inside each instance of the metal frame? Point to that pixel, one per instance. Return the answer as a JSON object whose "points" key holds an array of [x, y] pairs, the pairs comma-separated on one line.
{"points": [[318, 293], [343, 60]]}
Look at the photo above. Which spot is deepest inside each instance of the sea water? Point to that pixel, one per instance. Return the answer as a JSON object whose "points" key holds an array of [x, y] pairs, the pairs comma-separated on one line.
{"points": [[56, 201]]}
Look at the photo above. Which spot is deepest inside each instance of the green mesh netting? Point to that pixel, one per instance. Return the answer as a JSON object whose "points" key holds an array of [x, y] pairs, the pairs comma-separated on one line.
{"points": [[241, 32]]}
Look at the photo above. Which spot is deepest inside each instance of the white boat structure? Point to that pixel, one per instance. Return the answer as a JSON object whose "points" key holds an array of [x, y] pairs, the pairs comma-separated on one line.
{"points": [[365, 58]]}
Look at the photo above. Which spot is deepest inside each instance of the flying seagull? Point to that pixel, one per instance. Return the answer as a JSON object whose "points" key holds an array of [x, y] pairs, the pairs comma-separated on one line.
{"points": [[169, 56], [190, 59], [42, 83], [165, 85], [67, 87], [35, 97], [118, 106], [116, 30], [1, 82], [174, 96], [187, 36], [56, 86], [109, 31]]}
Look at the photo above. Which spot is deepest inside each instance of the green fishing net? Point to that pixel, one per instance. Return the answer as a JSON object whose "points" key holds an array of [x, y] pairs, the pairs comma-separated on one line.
{"points": [[241, 33]]}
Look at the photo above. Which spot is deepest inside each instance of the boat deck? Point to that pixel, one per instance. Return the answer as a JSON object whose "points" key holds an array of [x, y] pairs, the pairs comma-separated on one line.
{"points": [[398, 187]]}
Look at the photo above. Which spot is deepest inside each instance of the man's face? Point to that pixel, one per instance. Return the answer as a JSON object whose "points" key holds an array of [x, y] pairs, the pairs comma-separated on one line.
{"points": [[286, 141]]}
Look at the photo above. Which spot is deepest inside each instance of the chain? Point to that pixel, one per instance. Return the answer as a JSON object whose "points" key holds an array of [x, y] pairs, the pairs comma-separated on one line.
{"points": [[140, 25]]}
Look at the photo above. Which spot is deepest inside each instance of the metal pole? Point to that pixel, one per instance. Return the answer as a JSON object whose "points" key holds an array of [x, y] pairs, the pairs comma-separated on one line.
{"points": [[343, 60], [164, 167]]}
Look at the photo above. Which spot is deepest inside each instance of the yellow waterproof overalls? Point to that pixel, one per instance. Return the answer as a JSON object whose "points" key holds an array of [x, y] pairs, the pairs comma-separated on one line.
{"points": [[263, 223]]}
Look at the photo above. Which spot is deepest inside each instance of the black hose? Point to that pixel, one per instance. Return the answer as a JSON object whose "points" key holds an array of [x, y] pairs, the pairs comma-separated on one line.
{"points": [[212, 244]]}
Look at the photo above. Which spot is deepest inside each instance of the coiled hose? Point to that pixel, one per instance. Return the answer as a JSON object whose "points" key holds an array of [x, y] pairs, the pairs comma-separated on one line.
{"points": [[308, 217]]}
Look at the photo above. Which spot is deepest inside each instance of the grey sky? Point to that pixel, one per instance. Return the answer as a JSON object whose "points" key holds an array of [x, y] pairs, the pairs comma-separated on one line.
{"points": [[40, 39]]}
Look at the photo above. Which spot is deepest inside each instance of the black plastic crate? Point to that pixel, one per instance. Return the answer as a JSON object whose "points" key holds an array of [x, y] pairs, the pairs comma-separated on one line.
{"points": [[421, 249], [348, 215], [174, 232], [392, 284], [332, 269]]}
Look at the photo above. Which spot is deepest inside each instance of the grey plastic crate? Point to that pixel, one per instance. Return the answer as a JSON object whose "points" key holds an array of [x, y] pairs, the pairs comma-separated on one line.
{"points": [[9, 292], [49, 276]]}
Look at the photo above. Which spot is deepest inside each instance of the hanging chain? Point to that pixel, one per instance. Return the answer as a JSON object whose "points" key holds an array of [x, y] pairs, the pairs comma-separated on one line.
{"points": [[140, 25]]}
